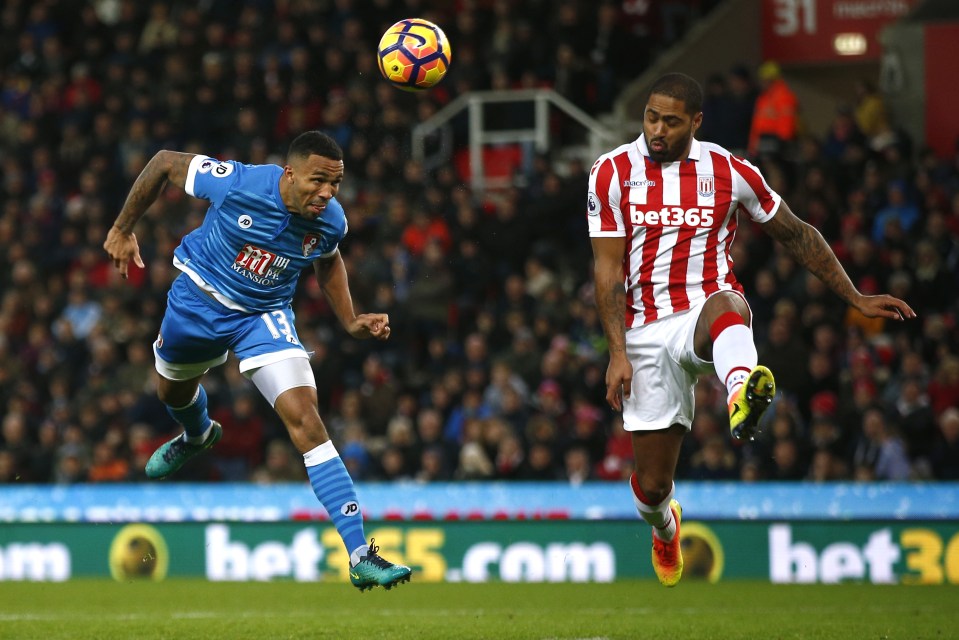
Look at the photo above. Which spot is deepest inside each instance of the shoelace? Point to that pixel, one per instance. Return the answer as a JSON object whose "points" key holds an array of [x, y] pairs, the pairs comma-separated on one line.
{"points": [[662, 549], [173, 450], [373, 558]]}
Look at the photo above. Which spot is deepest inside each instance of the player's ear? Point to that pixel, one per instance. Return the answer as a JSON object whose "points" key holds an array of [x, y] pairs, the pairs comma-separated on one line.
{"points": [[288, 173], [697, 121]]}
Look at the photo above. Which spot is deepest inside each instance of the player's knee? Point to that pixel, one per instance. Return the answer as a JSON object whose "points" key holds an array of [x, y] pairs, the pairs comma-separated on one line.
{"points": [[174, 395], [654, 489], [306, 430]]}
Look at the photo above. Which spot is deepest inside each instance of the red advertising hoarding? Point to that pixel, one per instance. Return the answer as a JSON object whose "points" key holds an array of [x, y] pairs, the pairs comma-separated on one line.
{"points": [[811, 31]]}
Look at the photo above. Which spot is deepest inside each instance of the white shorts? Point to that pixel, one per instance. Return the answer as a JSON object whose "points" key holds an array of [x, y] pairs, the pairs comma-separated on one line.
{"points": [[665, 371]]}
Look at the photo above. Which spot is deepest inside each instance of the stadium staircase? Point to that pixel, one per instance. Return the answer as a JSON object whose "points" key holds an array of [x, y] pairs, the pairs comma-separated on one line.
{"points": [[493, 156]]}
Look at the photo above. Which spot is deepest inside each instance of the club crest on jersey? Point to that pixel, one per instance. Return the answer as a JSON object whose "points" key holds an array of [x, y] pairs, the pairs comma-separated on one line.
{"points": [[639, 183], [310, 242], [706, 186]]}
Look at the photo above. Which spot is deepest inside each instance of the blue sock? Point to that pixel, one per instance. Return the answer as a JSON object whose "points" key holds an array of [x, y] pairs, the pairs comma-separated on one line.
{"points": [[193, 417], [333, 487]]}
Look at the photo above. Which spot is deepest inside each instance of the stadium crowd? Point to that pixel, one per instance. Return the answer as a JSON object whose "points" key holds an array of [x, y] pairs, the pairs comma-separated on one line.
{"points": [[496, 365]]}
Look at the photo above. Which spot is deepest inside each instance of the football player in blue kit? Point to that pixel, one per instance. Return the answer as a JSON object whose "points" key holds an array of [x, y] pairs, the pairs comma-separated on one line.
{"points": [[239, 270]]}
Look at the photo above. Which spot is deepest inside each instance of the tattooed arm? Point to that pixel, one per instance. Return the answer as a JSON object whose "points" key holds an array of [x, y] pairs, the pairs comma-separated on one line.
{"points": [[121, 243], [608, 254], [809, 248]]}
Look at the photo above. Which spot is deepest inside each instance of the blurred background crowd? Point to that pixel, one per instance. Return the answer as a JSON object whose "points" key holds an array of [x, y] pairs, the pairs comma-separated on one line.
{"points": [[495, 368]]}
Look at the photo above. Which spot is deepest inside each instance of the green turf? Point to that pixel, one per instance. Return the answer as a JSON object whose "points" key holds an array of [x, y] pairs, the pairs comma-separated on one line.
{"points": [[181, 609]]}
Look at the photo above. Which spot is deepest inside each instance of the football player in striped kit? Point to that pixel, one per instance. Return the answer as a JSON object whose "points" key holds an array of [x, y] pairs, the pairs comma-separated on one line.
{"points": [[662, 213]]}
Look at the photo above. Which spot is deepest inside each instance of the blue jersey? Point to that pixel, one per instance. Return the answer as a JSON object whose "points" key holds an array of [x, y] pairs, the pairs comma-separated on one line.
{"points": [[250, 250]]}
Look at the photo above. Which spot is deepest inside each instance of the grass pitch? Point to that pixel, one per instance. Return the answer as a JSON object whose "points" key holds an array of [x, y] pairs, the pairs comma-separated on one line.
{"points": [[182, 609]]}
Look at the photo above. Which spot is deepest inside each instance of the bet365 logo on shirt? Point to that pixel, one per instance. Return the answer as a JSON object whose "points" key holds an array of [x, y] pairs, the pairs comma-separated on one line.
{"points": [[671, 217]]}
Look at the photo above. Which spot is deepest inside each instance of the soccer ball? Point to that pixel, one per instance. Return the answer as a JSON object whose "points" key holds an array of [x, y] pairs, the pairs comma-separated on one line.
{"points": [[413, 54]]}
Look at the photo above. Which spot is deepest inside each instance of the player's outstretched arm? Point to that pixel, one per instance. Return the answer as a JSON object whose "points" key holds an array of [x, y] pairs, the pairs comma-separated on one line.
{"points": [[121, 243], [331, 275], [810, 249], [611, 305]]}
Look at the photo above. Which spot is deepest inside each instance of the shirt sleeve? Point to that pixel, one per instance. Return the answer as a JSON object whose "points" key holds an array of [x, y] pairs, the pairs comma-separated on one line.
{"points": [[754, 195], [210, 179], [341, 228], [603, 213]]}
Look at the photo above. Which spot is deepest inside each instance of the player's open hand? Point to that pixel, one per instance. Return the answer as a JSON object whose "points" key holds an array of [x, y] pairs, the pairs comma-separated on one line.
{"points": [[884, 306], [370, 325], [122, 247], [619, 380]]}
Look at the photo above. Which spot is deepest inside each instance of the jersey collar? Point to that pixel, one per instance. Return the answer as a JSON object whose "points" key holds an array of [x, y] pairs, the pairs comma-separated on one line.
{"points": [[695, 149]]}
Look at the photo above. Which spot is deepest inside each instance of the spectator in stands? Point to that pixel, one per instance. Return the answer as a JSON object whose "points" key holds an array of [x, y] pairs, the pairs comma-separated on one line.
{"points": [[945, 457], [783, 350], [844, 136], [880, 449], [787, 461], [944, 386], [715, 105], [870, 113], [279, 465], [614, 54], [934, 286], [915, 418], [776, 116], [826, 466], [241, 450], [714, 461], [741, 104], [107, 465], [577, 466], [541, 463], [899, 208], [473, 463]]}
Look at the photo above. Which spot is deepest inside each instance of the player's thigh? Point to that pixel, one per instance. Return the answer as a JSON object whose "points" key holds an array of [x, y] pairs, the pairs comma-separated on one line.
{"points": [[192, 338], [663, 388], [274, 379], [290, 387], [714, 307]]}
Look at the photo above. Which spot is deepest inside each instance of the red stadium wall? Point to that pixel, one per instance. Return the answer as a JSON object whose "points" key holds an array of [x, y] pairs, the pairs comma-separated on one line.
{"points": [[820, 31], [942, 87]]}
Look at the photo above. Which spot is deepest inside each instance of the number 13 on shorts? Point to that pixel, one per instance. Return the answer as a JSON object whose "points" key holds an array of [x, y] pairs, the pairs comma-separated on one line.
{"points": [[278, 325]]}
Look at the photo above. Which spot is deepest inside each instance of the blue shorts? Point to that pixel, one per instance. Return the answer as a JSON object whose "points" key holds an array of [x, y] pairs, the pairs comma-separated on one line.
{"points": [[197, 332]]}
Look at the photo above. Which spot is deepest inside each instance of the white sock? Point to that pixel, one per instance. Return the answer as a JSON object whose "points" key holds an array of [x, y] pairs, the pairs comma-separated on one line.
{"points": [[734, 356], [668, 530], [660, 516], [358, 554]]}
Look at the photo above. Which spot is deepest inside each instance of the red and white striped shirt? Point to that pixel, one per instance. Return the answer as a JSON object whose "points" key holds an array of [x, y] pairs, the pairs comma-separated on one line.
{"points": [[679, 220]]}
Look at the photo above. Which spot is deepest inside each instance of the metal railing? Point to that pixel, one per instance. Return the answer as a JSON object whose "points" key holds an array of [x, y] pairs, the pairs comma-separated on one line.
{"points": [[599, 138]]}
